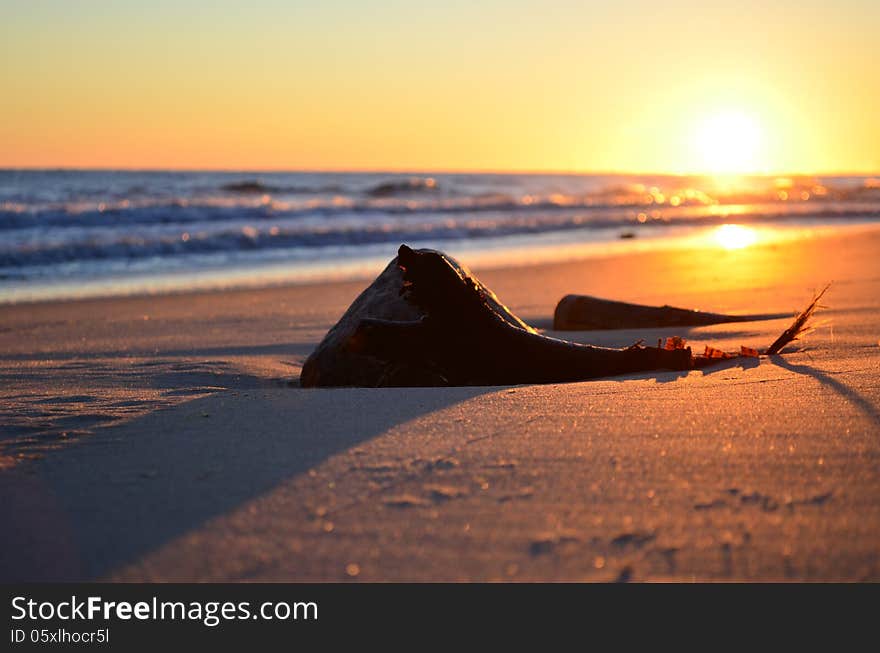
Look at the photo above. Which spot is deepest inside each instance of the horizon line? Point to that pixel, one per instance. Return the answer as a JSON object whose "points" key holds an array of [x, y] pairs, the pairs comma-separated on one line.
{"points": [[437, 171]]}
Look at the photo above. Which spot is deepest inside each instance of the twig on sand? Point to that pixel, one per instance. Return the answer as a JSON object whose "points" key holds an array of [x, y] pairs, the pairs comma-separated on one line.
{"points": [[712, 355], [798, 327]]}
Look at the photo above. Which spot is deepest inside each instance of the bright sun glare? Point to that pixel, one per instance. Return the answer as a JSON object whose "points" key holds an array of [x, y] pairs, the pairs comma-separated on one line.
{"points": [[729, 143], [735, 236]]}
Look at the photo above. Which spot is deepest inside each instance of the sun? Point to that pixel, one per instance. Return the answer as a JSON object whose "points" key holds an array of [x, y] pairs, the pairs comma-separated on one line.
{"points": [[729, 142]]}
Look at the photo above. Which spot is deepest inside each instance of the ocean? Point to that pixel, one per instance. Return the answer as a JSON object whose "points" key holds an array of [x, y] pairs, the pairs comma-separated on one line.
{"points": [[67, 234]]}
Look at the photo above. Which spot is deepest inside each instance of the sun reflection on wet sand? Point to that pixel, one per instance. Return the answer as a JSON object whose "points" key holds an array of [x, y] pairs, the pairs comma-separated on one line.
{"points": [[734, 236]]}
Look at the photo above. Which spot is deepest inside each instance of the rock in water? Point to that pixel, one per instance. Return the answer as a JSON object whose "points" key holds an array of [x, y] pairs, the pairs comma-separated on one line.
{"points": [[333, 363]]}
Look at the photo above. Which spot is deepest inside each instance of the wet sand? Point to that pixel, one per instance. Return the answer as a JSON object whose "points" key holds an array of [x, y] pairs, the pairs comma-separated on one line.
{"points": [[158, 439]]}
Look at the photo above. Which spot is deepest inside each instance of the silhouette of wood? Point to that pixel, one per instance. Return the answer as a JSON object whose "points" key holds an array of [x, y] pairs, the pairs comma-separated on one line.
{"points": [[586, 313], [452, 330], [335, 363]]}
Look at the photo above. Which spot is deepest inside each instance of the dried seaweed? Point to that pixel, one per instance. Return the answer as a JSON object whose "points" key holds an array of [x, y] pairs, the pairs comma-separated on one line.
{"points": [[798, 327]]}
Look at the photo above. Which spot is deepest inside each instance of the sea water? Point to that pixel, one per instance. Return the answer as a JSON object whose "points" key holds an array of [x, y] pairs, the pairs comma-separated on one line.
{"points": [[66, 234]]}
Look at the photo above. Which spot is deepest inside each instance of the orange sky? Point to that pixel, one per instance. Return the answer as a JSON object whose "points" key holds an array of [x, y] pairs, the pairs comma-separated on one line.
{"points": [[518, 85]]}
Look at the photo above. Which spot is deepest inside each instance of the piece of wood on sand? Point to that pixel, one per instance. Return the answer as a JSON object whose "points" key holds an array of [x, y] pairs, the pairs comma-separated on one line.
{"points": [[586, 313], [335, 363]]}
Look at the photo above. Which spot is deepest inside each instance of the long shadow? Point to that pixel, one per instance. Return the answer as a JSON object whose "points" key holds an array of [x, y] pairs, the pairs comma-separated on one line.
{"points": [[743, 363], [94, 505], [288, 349], [32, 421], [852, 396], [127, 490]]}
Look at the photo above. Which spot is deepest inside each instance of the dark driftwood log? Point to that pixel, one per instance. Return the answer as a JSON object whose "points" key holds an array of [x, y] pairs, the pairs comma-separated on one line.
{"points": [[449, 329], [331, 364], [335, 363], [585, 313]]}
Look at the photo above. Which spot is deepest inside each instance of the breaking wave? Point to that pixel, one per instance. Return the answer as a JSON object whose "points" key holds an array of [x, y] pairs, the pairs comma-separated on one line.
{"points": [[62, 222]]}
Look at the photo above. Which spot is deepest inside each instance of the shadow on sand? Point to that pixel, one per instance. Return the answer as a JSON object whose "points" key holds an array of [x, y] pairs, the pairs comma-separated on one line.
{"points": [[127, 490], [83, 512], [866, 407], [287, 349]]}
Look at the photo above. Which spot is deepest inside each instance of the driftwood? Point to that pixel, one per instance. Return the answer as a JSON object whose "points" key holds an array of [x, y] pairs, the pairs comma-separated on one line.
{"points": [[332, 364], [335, 363], [585, 313], [427, 321]]}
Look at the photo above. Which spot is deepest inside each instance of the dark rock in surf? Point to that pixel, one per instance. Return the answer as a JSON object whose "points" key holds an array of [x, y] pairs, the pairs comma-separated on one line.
{"points": [[403, 187], [248, 187]]}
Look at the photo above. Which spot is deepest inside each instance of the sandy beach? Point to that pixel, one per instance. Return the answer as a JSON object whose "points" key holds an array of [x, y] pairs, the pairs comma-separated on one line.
{"points": [[161, 439]]}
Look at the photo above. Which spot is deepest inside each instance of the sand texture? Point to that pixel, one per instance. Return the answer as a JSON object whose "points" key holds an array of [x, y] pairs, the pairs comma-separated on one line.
{"points": [[158, 439]]}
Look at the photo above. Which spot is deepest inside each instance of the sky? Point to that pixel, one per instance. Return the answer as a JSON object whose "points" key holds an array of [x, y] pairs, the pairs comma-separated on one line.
{"points": [[529, 85]]}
